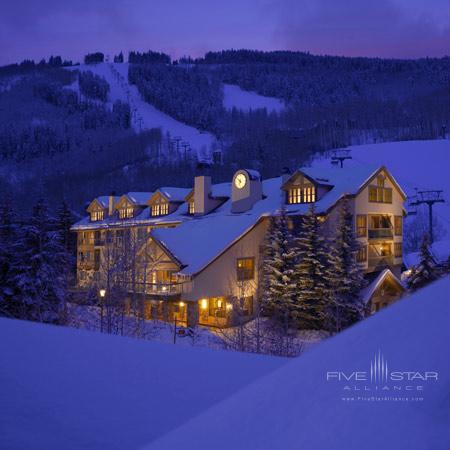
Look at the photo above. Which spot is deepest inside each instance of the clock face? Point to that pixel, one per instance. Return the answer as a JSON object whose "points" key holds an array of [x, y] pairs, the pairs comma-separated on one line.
{"points": [[240, 180]]}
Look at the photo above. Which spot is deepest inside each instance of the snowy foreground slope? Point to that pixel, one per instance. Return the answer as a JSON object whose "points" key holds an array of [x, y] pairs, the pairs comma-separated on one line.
{"points": [[62, 388], [146, 116], [296, 407], [415, 164]]}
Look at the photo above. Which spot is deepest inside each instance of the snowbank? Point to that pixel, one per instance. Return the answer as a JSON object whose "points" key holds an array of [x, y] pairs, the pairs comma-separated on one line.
{"points": [[62, 388], [296, 407]]}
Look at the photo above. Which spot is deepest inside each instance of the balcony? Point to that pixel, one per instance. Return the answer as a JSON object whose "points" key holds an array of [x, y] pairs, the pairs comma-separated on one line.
{"points": [[381, 233], [159, 289]]}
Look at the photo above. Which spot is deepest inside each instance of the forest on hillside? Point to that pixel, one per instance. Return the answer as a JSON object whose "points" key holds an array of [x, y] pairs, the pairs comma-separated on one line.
{"points": [[61, 138]]}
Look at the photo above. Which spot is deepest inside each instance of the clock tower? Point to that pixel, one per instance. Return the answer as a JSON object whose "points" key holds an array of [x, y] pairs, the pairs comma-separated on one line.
{"points": [[246, 190]]}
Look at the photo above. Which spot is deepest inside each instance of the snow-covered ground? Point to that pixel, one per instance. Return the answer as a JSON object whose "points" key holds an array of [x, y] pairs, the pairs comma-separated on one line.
{"points": [[303, 405], [146, 116], [415, 164], [235, 97], [62, 388]]}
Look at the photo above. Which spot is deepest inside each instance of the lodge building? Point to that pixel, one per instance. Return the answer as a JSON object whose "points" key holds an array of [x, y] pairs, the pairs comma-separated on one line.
{"points": [[194, 254]]}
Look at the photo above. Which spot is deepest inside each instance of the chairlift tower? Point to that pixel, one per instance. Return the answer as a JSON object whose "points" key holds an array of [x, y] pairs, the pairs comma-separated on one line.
{"points": [[339, 156], [429, 198]]}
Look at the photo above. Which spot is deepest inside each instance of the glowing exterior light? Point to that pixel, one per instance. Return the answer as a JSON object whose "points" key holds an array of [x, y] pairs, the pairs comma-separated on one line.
{"points": [[102, 292], [229, 306], [181, 304], [204, 303], [164, 288], [219, 303]]}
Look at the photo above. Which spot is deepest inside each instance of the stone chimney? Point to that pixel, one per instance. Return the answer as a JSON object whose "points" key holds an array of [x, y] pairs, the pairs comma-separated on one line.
{"points": [[202, 195], [111, 203]]}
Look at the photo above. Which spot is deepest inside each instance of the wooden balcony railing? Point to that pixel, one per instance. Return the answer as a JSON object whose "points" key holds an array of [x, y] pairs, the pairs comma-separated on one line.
{"points": [[159, 288]]}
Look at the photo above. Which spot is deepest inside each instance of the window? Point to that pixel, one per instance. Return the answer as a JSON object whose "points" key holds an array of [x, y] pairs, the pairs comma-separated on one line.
{"points": [[97, 259], [398, 250], [398, 225], [97, 215], [302, 195], [141, 233], [126, 213], [361, 225], [160, 209], [217, 307], [191, 207], [245, 269], [361, 255], [379, 194]]}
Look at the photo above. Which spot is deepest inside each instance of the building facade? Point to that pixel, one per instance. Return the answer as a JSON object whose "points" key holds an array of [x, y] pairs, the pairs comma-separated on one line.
{"points": [[194, 255]]}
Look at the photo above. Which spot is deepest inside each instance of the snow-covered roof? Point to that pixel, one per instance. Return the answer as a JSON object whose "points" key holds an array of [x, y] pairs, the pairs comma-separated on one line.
{"points": [[174, 194], [140, 198], [104, 200], [440, 251], [368, 291], [197, 240]]}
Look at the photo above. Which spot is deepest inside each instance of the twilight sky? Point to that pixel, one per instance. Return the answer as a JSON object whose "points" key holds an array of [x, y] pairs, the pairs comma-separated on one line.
{"points": [[389, 28]]}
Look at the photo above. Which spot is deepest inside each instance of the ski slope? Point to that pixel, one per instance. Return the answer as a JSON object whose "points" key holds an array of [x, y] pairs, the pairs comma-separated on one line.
{"points": [[235, 97], [62, 388], [415, 164], [146, 116], [296, 407]]}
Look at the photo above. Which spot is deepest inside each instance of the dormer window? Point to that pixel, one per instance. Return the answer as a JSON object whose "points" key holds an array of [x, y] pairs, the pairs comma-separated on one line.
{"points": [[126, 213], [302, 195], [160, 209], [97, 215], [191, 207]]}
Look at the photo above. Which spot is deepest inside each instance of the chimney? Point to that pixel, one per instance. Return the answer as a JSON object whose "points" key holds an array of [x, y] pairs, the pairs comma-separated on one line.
{"points": [[111, 203], [202, 195], [285, 174]]}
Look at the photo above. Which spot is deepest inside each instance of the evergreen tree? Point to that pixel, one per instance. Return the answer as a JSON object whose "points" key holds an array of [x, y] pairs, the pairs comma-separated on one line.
{"points": [[278, 269], [425, 272], [311, 276], [346, 275], [38, 267], [8, 234]]}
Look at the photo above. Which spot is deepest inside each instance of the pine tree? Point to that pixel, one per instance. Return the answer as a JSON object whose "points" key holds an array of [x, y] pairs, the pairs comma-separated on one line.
{"points": [[425, 272], [346, 275], [38, 268], [311, 276], [278, 268], [8, 235]]}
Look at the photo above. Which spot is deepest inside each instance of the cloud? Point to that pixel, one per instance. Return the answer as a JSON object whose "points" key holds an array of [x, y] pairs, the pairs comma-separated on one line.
{"points": [[356, 28]]}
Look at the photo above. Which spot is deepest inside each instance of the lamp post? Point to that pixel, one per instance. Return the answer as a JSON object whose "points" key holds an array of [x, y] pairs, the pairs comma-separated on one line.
{"points": [[102, 293]]}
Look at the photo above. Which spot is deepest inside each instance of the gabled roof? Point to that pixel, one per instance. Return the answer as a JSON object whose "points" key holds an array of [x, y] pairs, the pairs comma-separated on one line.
{"points": [[102, 201], [368, 292], [198, 240], [219, 191], [171, 194]]}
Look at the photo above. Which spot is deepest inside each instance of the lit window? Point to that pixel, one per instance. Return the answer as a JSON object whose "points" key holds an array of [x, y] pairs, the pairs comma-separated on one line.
{"points": [[398, 250], [160, 209], [245, 268], [191, 208], [302, 195], [126, 213], [379, 194], [97, 215]]}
